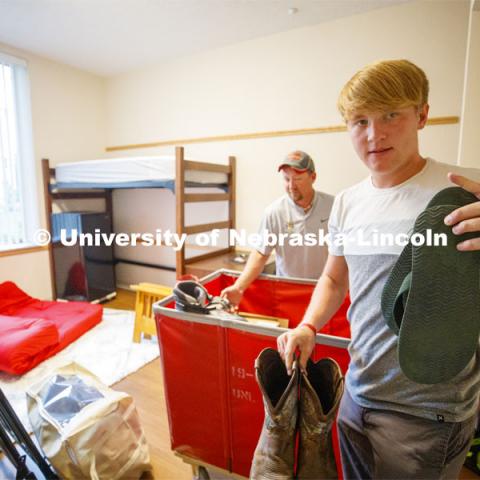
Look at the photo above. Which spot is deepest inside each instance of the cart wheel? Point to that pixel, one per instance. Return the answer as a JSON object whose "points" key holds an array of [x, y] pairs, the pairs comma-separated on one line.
{"points": [[201, 474]]}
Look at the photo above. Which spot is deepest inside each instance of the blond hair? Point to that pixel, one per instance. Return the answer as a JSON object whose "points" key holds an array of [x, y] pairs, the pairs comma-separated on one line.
{"points": [[384, 85]]}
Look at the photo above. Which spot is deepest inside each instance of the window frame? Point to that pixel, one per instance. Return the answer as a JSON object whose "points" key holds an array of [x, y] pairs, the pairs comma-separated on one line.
{"points": [[27, 184]]}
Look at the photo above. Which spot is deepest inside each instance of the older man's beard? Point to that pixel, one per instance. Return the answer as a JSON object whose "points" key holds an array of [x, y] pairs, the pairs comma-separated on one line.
{"points": [[295, 196]]}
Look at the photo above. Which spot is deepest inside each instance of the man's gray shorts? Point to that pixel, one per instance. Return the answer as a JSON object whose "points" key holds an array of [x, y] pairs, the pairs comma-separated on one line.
{"points": [[382, 444]]}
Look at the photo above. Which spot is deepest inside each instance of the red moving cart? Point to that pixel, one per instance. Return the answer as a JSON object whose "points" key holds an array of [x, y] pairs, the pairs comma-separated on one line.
{"points": [[214, 405]]}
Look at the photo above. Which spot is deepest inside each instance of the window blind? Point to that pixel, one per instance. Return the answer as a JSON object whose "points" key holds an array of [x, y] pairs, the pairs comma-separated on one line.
{"points": [[12, 224], [18, 209]]}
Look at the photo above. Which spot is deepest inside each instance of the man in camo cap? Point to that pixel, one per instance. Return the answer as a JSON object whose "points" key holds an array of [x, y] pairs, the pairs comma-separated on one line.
{"points": [[302, 210]]}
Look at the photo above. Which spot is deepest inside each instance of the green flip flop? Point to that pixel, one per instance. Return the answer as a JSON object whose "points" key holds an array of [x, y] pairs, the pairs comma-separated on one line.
{"points": [[449, 196], [432, 297]]}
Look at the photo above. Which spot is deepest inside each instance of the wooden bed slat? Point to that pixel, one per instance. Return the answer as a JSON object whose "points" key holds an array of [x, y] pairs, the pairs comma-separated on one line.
{"points": [[205, 227], [205, 167], [206, 197], [206, 256], [77, 195]]}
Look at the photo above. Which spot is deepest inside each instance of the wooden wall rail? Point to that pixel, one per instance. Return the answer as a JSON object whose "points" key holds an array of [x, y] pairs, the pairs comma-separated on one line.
{"points": [[451, 120]]}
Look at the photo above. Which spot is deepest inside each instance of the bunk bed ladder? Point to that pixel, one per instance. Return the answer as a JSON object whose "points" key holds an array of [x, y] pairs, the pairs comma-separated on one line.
{"points": [[182, 198]]}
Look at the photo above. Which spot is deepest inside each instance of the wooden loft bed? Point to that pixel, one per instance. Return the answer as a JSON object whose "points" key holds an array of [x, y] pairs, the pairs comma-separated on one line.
{"points": [[53, 194]]}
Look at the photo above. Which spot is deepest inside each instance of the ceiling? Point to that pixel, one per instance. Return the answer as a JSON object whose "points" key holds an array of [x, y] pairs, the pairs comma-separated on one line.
{"points": [[108, 37]]}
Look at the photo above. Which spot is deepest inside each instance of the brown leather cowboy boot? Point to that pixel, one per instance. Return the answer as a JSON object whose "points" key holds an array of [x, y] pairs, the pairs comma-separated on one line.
{"points": [[320, 392], [274, 456]]}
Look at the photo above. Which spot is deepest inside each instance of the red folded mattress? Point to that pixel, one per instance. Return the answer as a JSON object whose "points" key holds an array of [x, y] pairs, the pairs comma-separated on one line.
{"points": [[25, 342], [69, 319]]}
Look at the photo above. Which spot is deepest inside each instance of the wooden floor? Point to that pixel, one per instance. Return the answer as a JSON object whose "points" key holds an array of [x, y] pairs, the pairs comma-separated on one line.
{"points": [[146, 387]]}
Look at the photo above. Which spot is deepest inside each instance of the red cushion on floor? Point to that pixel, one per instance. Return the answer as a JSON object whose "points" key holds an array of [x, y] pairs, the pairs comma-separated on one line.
{"points": [[25, 342], [72, 319], [12, 298], [69, 319]]}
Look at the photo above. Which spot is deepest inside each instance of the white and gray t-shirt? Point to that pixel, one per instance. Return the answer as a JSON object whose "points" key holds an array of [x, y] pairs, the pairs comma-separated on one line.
{"points": [[374, 378], [284, 216]]}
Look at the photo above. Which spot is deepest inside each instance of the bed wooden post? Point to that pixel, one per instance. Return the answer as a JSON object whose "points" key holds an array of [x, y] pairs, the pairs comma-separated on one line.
{"points": [[232, 190], [109, 206], [109, 210], [47, 198], [180, 207]]}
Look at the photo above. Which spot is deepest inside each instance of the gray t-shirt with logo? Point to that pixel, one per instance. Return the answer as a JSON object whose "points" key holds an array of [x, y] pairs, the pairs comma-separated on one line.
{"points": [[284, 216], [374, 378]]}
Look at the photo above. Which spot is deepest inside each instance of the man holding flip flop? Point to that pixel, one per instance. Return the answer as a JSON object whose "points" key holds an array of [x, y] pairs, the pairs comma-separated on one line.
{"points": [[390, 425]]}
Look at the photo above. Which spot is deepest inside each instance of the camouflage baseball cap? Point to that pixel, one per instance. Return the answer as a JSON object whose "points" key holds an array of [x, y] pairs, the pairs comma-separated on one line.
{"points": [[299, 161]]}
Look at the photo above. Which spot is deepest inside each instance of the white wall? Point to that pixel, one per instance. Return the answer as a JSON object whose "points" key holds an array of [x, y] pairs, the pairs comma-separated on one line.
{"points": [[470, 137], [289, 81], [68, 115]]}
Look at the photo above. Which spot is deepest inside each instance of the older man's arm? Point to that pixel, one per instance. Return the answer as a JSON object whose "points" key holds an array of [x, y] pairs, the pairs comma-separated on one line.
{"points": [[254, 267]]}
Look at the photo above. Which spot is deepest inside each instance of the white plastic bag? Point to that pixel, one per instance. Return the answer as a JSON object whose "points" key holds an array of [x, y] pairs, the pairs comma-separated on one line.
{"points": [[87, 430]]}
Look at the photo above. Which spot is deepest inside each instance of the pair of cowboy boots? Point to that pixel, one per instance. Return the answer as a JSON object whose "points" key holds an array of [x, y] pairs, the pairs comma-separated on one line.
{"points": [[303, 404]]}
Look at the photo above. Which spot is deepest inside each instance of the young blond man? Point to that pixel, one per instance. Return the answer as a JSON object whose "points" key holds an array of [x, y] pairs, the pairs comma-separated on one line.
{"points": [[389, 426]]}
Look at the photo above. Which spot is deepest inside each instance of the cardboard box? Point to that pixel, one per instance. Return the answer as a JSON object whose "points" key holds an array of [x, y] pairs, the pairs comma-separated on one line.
{"points": [[264, 320]]}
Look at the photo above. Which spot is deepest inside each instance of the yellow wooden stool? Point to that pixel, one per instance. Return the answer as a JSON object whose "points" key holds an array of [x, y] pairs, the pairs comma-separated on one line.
{"points": [[147, 295]]}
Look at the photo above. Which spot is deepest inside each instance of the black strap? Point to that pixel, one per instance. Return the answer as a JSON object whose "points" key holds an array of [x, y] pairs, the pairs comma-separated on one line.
{"points": [[10, 426]]}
